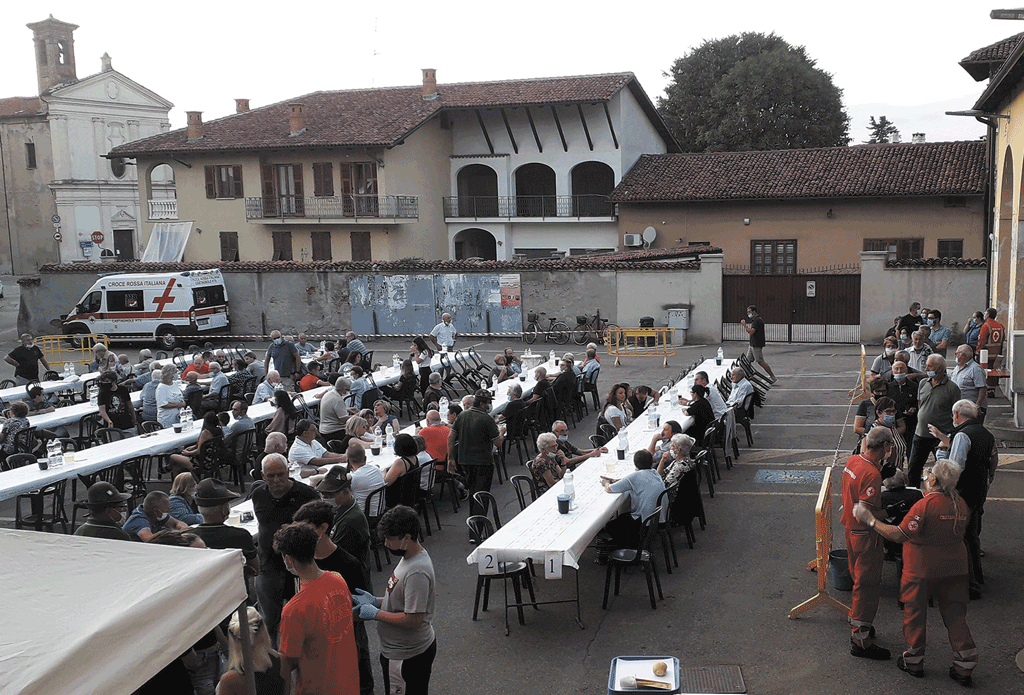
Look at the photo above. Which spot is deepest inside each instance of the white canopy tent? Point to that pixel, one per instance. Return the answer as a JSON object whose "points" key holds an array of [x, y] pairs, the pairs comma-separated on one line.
{"points": [[90, 615]]}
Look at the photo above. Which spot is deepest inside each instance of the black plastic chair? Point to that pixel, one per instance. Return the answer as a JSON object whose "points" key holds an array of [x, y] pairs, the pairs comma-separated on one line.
{"points": [[743, 418], [148, 426], [108, 475], [38, 516], [108, 435], [426, 496], [480, 529], [630, 557], [210, 458], [524, 485], [723, 428], [489, 504], [17, 461], [7, 383], [241, 456], [590, 386], [374, 509], [664, 530], [708, 443]]}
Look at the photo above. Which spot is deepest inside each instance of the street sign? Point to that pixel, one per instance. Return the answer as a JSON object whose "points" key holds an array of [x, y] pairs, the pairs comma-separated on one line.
{"points": [[97, 237], [56, 225], [58, 236], [812, 288], [55, 219]]}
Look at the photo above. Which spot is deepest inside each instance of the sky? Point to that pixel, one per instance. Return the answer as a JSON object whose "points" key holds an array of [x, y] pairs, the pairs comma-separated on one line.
{"points": [[897, 58]]}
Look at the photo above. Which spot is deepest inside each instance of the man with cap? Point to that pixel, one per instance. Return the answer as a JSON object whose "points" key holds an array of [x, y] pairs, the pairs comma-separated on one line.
{"points": [[107, 511], [214, 502], [471, 442], [350, 529]]}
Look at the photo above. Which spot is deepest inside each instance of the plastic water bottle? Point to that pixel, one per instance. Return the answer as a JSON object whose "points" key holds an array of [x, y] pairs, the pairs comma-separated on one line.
{"points": [[569, 488], [186, 418], [396, 361], [494, 381], [67, 370], [720, 356], [390, 432], [483, 384], [551, 356], [442, 406], [94, 392], [652, 416], [623, 441], [54, 454], [377, 438]]}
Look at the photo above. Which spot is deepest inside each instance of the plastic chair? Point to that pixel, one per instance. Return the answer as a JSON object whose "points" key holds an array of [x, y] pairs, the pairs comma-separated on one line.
{"points": [[590, 386], [374, 509], [107, 435], [480, 529], [708, 443], [17, 461], [211, 457], [641, 555], [723, 429], [148, 426], [523, 485], [426, 496], [25, 441], [489, 504], [241, 455], [38, 517], [108, 475], [7, 383], [665, 532]]}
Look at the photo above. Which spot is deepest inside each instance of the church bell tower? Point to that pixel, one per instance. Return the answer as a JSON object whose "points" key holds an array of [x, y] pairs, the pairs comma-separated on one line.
{"points": [[55, 53]]}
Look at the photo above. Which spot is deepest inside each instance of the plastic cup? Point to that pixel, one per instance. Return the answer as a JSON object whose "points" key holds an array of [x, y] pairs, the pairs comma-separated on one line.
{"points": [[69, 458], [375, 450], [622, 454], [609, 466], [43, 464], [563, 503], [177, 427]]}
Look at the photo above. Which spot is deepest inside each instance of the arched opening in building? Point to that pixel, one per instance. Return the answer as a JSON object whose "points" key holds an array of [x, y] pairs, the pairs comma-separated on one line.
{"points": [[475, 243], [592, 182], [477, 191], [535, 191], [1004, 237], [161, 194]]}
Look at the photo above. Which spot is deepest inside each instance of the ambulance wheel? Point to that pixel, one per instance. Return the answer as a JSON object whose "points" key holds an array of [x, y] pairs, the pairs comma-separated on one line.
{"points": [[73, 332], [166, 338]]}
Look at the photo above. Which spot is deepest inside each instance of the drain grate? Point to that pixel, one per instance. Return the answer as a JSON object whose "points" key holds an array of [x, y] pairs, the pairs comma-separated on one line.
{"points": [[790, 477], [711, 679]]}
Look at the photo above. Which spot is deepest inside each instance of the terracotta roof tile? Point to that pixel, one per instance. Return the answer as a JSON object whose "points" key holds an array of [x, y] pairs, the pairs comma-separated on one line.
{"points": [[950, 168], [984, 62], [371, 117], [938, 262], [686, 257], [18, 107]]}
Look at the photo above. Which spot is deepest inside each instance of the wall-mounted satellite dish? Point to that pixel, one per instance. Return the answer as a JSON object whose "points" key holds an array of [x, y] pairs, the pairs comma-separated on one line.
{"points": [[649, 235]]}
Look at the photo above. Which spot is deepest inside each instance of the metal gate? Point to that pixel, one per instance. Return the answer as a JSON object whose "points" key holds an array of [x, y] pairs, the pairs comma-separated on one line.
{"points": [[795, 308], [413, 304]]}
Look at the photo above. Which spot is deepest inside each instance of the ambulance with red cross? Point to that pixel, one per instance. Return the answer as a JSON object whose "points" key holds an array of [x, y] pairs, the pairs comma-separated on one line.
{"points": [[152, 306]]}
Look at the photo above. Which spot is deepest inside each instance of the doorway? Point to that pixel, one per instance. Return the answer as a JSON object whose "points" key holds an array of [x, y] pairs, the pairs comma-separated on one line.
{"points": [[124, 245]]}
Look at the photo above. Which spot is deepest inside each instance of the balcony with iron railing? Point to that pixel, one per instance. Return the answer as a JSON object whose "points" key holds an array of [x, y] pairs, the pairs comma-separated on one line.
{"points": [[163, 209], [362, 209], [567, 207]]}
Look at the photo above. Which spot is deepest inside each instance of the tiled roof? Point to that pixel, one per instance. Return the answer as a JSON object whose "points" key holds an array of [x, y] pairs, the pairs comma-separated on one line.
{"points": [[18, 107], [948, 168], [372, 117], [938, 263], [681, 258], [982, 63]]}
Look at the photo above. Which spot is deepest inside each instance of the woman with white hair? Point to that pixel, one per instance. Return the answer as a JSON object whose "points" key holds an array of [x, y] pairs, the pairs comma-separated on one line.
{"points": [[680, 475], [169, 400], [266, 661], [549, 466], [934, 564]]}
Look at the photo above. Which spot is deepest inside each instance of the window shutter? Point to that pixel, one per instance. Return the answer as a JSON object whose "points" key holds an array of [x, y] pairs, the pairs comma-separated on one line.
{"points": [[327, 179], [269, 190], [229, 246], [211, 182], [236, 178], [300, 208]]}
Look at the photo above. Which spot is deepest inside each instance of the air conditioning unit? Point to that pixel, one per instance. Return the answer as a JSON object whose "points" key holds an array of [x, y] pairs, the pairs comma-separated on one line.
{"points": [[632, 240]]}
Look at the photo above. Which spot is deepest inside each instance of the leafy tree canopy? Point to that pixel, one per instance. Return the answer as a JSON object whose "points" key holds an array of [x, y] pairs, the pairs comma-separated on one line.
{"points": [[882, 130], [752, 92]]}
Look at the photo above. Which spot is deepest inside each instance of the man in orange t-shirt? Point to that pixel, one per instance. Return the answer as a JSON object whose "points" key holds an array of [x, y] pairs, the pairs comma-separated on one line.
{"points": [[992, 332], [435, 434], [862, 482], [317, 636]]}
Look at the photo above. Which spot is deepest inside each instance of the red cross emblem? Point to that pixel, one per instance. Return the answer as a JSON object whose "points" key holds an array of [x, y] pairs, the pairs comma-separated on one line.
{"points": [[164, 299]]}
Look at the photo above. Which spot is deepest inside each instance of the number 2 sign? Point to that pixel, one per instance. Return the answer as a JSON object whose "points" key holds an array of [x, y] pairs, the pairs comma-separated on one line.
{"points": [[488, 564]]}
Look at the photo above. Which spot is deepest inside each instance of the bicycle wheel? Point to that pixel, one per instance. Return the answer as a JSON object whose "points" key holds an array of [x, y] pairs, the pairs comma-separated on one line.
{"points": [[580, 333], [604, 333], [530, 334], [560, 332]]}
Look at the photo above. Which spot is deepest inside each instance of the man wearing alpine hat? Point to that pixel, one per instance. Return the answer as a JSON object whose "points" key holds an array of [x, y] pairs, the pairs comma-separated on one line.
{"points": [[107, 511]]}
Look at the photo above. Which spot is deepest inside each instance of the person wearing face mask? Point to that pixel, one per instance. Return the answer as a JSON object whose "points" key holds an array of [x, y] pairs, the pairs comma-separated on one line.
{"points": [[573, 456], [286, 359], [115, 405], [935, 396], [865, 417], [972, 329], [903, 391], [883, 362], [404, 616], [935, 565], [757, 339], [107, 512], [911, 321], [25, 359], [919, 351], [151, 517], [970, 377], [940, 334], [317, 631], [904, 340], [886, 416], [550, 465]]}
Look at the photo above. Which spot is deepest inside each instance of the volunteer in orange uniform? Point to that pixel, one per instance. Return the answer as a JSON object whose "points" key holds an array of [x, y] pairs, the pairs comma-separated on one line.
{"points": [[862, 482], [935, 564]]}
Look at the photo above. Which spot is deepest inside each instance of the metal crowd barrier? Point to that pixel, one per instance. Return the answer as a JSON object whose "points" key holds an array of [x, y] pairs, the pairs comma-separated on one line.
{"points": [[77, 349], [640, 342]]}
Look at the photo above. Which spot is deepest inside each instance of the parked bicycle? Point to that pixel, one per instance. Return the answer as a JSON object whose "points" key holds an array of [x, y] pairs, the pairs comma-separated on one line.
{"points": [[587, 326], [557, 331]]}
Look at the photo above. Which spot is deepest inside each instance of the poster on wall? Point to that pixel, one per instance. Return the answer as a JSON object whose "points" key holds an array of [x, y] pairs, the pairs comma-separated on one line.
{"points": [[510, 290]]}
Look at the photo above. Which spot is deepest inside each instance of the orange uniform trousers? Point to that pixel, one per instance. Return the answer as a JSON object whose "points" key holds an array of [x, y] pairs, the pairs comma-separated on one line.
{"points": [[865, 552]]}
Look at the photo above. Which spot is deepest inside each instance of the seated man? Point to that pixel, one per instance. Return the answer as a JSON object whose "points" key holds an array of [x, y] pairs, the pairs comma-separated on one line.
{"points": [[254, 366], [214, 502], [124, 368], [306, 451], [360, 385], [198, 365], [500, 370], [515, 406], [643, 486], [219, 380], [564, 384], [37, 402], [433, 394], [151, 517], [741, 388], [312, 378], [355, 344], [513, 362], [365, 478], [107, 510], [435, 434], [573, 456], [304, 347], [145, 359], [265, 391], [242, 424], [191, 386], [642, 398], [541, 375]]}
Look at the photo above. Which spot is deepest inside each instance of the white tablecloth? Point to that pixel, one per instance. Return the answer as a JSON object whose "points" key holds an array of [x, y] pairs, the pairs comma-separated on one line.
{"points": [[540, 529], [18, 393]]}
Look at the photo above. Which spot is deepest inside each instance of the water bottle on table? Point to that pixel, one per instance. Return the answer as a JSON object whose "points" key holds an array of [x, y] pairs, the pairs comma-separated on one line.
{"points": [[623, 446], [720, 356], [569, 488], [390, 432]]}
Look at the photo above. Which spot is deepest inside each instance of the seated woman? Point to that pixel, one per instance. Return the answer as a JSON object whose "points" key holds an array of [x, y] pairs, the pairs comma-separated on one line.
{"points": [[183, 504], [17, 422], [680, 476], [660, 442], [405, 450], [183, 462], [406, 387], [382, 417], [285, 410], [616, 411], [701, 411], [549, 466], [356, 428], [421, 355]]}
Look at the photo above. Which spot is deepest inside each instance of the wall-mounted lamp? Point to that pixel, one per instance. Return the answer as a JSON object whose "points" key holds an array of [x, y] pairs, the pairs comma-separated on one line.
{"points": [[500, 242], [829, 213], [746, 220], [198, 230]]}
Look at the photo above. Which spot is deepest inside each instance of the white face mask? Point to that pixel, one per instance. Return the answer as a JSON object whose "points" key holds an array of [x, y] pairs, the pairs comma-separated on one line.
{"points": [[750, 316], [889, 352], [278, 341]]}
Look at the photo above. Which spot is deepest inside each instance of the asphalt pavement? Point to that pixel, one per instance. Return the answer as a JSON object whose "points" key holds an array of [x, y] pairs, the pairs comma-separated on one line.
{"points": [[728, 601]]}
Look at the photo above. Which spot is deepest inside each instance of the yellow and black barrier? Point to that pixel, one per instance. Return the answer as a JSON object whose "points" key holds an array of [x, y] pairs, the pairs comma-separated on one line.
{"points": [[640, 342], [76, 349], [823, 545]]}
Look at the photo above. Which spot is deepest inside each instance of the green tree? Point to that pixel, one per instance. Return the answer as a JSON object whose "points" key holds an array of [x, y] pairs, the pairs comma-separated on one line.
{"points": [[882, 130], [752, 92]]}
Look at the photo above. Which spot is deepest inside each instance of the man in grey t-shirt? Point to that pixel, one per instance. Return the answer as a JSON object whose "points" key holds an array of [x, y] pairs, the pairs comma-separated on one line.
{"points": [[405, 613], [642, 488]]}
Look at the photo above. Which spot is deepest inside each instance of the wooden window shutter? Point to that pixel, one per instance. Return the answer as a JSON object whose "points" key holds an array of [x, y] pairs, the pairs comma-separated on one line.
{"points": [[211, 182], [236, 178], [321, 242], [327, 178], [229, 246], [298, 180], [269, 190]]}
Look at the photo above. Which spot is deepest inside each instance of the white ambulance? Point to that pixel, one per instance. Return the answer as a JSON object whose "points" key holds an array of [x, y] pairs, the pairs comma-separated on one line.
{"points": [[157, 306]]}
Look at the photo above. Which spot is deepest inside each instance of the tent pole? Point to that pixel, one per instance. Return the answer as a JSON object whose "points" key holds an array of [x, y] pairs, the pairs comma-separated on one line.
{"points": [[250, 669]]}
